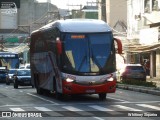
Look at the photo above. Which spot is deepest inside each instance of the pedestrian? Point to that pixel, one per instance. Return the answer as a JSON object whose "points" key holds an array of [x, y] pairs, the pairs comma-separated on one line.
{"points": [[147, 67]]}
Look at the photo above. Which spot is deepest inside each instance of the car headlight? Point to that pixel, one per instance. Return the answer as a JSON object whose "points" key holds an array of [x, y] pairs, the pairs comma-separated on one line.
{"points": [[10, 77], [69, 80]]}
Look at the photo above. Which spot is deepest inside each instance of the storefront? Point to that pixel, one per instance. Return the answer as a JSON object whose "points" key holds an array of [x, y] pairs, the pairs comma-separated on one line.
{"points": [[147, 55]]}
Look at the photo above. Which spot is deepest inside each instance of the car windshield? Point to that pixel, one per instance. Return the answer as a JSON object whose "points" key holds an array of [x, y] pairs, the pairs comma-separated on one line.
{"points": [[23, 73]]}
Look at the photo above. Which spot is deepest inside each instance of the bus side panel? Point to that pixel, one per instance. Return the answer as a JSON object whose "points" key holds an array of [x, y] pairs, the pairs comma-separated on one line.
{"points": [[42, 70]]}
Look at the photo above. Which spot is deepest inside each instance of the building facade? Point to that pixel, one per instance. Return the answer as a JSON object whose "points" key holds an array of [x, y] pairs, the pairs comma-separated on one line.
{"points": [[142, 39], [18, 18], [144, 26]]}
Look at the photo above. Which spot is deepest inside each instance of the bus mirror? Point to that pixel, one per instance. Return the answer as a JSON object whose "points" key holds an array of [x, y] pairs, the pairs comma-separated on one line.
{"points": [[119, 45], [59, 46]]}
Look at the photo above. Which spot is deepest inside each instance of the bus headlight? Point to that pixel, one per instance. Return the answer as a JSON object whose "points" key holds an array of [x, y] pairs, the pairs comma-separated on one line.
{"points": [[110, 79], [69, 80]]}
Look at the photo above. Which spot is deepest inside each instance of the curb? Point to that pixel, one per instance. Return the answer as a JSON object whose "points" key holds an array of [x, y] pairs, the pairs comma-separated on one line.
{"points": [[149, 90]]}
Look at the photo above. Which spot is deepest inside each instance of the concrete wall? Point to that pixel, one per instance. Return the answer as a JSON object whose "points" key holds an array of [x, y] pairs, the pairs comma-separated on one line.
{"points": [[30, 11], [26, 12], [8, 18], [116, 10]]}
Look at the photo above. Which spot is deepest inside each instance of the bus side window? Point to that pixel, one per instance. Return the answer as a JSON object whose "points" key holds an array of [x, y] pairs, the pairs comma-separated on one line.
{"points": [[51, 36], [40, 45]]}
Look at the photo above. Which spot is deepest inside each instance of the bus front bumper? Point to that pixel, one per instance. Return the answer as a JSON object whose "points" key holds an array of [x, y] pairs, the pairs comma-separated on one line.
{"points": [[74, 88]]}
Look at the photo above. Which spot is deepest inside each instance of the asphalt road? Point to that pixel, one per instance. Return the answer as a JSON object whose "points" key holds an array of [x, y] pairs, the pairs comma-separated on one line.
{"points": [[23, 103]]}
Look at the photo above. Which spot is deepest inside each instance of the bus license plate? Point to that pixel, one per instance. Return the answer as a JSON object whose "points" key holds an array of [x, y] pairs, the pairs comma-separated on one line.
{"points": [[90, 91]]}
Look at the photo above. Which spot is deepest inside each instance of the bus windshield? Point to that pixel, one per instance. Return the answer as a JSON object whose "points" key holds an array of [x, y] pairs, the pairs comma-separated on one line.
{"points": [[9, 60], [88, 53]]}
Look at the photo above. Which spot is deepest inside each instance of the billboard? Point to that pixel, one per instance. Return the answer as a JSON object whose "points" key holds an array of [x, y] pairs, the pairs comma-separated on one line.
{"points": [[7, 4]]}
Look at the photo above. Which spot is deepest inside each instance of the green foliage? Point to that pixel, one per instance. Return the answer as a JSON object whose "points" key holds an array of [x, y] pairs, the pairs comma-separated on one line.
{"points": [[139, 83]]}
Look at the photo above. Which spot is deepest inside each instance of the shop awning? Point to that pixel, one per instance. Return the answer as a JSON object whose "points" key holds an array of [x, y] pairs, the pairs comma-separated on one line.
{"points": [[139, 48]]}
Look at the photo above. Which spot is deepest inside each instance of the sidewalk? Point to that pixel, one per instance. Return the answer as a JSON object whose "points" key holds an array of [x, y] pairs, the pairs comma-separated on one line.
{"points": [[149, 90], [155, 80]]}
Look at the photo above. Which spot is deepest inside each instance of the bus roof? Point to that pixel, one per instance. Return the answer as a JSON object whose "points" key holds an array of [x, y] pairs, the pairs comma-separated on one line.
{"points": [[79, 25]]}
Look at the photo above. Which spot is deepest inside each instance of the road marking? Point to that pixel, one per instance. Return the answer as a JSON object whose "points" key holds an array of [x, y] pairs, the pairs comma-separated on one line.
{"points": [[117, 99], [70, 108], [48, 111], [42, 98], [142, 102], [100, 108], [42, 109], [126, 108], [79, 111], [149, 106], [98, 118], [16, 109]]}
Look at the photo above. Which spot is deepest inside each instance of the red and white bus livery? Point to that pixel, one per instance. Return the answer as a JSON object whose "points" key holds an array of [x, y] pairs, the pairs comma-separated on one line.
{"points": [[74, 56]]}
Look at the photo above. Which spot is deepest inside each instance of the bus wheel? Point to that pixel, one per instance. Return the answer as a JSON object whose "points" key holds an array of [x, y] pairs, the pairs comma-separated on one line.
{"points": [[39, 90], [102, 96], [58, 95]]}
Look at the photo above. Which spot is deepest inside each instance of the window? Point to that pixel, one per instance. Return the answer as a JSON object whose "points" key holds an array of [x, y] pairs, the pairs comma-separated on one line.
{"points": [[147, 6], [155, 6], [151, 5], [39, 45]]}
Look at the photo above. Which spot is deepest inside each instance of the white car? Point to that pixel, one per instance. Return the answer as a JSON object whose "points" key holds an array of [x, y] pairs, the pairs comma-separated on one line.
{"points": [[27, 66]]}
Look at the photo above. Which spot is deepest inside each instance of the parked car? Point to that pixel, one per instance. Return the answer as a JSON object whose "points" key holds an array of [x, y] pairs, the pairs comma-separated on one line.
{"points": [[133, 71], [9, 76], [22, 77]]}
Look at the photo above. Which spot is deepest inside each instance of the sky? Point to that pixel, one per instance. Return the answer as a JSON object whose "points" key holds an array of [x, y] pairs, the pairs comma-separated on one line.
{"points": [[64, 4]]}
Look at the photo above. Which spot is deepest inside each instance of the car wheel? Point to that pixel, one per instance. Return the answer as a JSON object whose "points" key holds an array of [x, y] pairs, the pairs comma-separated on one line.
{"points": [[102, 96], [7, 83], [15, 85]]}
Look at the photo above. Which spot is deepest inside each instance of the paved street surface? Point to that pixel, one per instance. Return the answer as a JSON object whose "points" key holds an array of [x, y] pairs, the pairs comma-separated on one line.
{"points": [[123, 105]]}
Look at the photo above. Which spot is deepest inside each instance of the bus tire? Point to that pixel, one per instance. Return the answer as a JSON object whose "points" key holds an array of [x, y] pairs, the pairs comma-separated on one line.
{"points": [[39, 90], [58, 95], [102, 96]]}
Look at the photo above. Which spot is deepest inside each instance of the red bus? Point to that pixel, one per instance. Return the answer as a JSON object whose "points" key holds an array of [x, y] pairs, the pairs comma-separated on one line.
{"points": [[74, 56]]}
